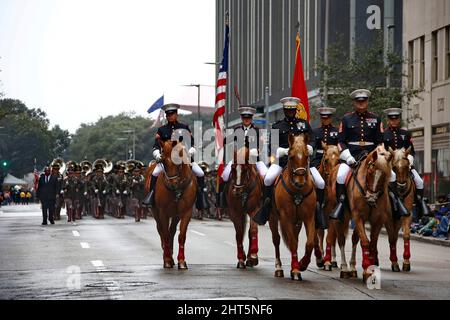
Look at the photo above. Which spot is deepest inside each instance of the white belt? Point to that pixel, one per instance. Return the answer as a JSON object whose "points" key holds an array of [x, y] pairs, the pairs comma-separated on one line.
{"points": [[319, 151], [362, 143]]}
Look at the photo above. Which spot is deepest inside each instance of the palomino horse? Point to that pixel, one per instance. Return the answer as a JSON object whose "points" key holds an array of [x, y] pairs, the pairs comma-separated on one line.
{"points": [[406, 189], [294, 203], [329, 162], [175, 194], [369, 201], [243, 192]]}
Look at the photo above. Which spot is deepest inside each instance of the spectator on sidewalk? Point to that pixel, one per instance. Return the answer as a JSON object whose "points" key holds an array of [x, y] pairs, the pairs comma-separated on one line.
{"points": [[430, 227]]}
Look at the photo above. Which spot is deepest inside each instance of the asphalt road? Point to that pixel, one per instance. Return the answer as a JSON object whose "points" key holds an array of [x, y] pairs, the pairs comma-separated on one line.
{"points": [[121, 259]]}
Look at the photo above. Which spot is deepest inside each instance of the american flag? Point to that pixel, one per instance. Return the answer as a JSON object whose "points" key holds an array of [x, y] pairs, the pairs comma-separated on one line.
{"points": [[36, 178], [221, 94]]}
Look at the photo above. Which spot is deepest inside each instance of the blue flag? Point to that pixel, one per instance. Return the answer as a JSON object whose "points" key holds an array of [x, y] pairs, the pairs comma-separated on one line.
{"points": [[157, 105]]}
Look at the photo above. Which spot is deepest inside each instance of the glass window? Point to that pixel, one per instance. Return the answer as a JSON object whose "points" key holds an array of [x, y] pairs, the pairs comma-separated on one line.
{"points": [[418, 161], [434, 43], [447, 49], [422, 62], [411, 64], [441, 171]]}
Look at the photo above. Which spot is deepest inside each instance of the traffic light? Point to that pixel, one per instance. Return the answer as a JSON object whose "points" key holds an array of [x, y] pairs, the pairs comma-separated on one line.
{"points": [[4, 164]]}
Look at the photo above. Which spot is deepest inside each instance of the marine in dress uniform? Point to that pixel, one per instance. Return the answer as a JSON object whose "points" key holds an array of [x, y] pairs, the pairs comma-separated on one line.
{"points": [[290, 124], [137, 186], [360, 133], [326, 133], [121, 190], [397, 138], [69, 190], [98, 187], [245, 134], [164, 134]]}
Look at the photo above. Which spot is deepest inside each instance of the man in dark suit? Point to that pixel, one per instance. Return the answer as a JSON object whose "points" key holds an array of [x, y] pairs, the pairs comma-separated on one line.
{"points": [[46, 193]]}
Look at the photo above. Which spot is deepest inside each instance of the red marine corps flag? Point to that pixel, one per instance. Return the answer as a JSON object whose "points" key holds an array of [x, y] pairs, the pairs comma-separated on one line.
{"points": [[299, 89], [221, 94]]}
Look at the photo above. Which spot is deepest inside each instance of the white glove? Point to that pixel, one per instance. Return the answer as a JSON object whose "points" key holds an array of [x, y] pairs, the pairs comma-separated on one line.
{"points": [[254, 152], [96, 191], [62, 192], [125, 192], [411, 160], [104, 191], [310, 150], [85, 193], [347, 157], [192, 151], [157, 155], [117, 192], [281, 152]]}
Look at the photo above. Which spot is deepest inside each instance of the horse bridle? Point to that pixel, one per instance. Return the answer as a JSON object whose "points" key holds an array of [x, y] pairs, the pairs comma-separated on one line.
{"points": [[298, 197], [371, 193], [246, 189], [177, 188], [403, 191]]}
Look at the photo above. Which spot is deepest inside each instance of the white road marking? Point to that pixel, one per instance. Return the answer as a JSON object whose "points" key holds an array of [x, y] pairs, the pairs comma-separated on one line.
{"points": [[198, 233], [85, 245], [75, 233], [97, 263]]}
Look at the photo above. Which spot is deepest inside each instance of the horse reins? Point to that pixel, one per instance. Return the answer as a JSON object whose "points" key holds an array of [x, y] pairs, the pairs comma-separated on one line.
{"points": [[298, 197], [177, 188]]}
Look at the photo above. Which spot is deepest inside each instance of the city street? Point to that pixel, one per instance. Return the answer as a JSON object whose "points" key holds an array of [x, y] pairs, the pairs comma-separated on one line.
{"points": [[121, 259]]}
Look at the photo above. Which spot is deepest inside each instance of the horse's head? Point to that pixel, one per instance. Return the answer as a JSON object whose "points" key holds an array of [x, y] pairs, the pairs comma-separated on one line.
{"points": [[240, 171], [330, 157], [298, 164], [173, 156], [378, 174], [400, 165]]}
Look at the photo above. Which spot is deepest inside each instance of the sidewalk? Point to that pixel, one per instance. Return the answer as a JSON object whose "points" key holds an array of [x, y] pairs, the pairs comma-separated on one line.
{"points": [[416, 237]]}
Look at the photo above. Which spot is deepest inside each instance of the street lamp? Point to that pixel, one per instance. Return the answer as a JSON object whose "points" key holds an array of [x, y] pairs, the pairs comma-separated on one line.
{"points": [[126, 146], [134, 141], [198, 96]]}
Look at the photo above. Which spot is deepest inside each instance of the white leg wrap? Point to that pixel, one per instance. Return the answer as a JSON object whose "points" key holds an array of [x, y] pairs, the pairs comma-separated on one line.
{"points": [[227, 171], [158, 169], [197, 170], [417, 179], [343, 171], [262, 168], [272, 174], [393, 176], [318, 180]]}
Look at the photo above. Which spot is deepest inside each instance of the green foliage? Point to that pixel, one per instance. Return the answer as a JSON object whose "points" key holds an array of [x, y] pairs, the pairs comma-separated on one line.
{"points": [[25, 136], [365, 70]]}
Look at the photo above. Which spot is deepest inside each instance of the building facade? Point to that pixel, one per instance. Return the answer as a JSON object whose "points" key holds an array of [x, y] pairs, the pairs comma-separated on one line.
{"points": [[263, 46], [426, 44]]}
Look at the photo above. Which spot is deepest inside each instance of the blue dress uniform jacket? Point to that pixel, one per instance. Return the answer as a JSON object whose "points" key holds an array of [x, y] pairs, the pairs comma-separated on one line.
{"points": [[326, 134], [165, 133], [252, 139], [286, 127], [360, 132], [397, 139]]}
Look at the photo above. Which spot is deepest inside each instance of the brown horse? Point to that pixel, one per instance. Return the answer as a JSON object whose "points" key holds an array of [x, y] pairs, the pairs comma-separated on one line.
{"points": [[369, 201], [330, 161], [293, 204], [243, 194], [406, 189], [175, 194]]}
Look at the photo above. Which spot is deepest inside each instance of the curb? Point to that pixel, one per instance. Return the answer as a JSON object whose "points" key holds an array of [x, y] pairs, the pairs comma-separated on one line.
{"points": [[435, 241]]}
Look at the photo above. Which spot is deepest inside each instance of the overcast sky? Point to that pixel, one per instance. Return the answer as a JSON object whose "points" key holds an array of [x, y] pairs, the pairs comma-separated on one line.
{"points": [[79, 60]]}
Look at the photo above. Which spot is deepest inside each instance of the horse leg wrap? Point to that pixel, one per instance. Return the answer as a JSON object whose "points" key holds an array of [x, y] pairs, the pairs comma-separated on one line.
{"points": [[318, 253], [241, 254], [393, 256], [406, 252], [327, 257], [254, 245], [181, 253], [366, 257], [294, 262]]}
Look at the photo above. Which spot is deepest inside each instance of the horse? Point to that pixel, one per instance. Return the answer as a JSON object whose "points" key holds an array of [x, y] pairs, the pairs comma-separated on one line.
{"points": [[294, 204], [175, 194], [406, 189], [243, 196], [330, 161], [368, 200]]}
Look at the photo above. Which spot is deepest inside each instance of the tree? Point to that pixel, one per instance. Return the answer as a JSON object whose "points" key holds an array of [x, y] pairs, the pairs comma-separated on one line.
{"points": [[25, 137], [367, 69]]}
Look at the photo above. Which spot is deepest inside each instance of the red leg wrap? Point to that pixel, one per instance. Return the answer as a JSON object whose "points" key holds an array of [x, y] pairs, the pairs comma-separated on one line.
{"points": [[406, 253], [241, 254], [327, 254], [254, 244], [181, 253], [366, 257], [294, 262], [393, 256]]}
